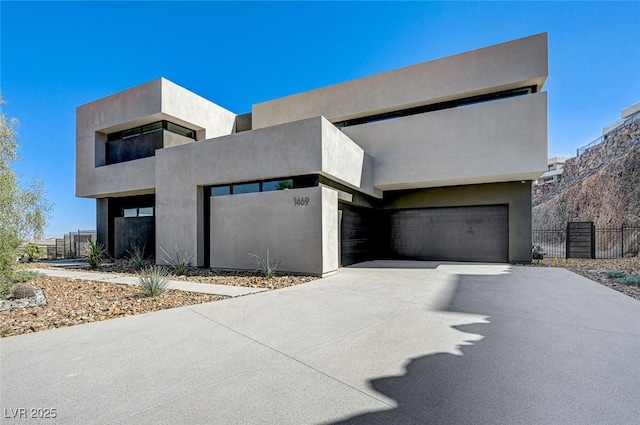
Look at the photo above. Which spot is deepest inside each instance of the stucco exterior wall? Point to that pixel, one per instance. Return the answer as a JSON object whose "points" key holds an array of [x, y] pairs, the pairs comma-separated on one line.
{"points": [[515, 194], [299, 148], [153, 101], [503, 140], [304, 235], [503, 66]]}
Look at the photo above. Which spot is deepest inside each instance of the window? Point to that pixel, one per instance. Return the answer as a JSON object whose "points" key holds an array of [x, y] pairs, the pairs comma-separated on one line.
{"points": [[183, 131], [150, 128], [221, 190], [246, 188], [297, 182], [137, 212], [127, 134], [145, 212], [277, 185]]}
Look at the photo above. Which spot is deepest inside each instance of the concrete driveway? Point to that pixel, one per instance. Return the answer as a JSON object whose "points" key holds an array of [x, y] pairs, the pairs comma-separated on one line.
{"points": [[378, 343]]}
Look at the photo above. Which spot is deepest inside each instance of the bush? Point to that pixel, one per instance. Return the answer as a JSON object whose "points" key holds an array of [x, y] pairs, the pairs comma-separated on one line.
{"points": [[136, 256], [266, 265], [614, 274], [95, 254], [630, 279], [33, 251], [22, 276], [8, 284], [152, 282], [6, 287], [178, 265]]}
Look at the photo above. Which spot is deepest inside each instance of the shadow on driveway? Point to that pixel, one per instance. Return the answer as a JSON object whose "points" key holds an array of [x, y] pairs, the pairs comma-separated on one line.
{"points": [[558, 350]]}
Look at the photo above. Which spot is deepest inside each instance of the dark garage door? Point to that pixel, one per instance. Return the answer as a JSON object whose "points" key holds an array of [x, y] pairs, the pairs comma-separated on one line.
{"points": [[453, 234]]}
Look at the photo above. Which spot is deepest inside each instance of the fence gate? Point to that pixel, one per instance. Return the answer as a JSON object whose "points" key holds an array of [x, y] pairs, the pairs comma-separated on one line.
{"points": [[581, 240]]}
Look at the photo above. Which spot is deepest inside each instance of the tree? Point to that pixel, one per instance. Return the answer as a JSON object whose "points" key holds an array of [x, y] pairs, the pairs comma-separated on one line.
{"points": [[23, 209]]}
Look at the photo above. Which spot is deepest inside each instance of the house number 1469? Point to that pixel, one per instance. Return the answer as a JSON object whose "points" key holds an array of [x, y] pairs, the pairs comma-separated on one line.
{"points": [[301, 202]]}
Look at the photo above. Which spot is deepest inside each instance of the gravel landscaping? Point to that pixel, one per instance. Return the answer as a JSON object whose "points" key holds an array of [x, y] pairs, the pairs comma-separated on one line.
{"points": [[596, 271], [73, 301]]}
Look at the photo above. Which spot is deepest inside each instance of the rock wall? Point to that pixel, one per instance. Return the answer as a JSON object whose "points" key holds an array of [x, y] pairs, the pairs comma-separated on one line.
{"points": [[601, 185]]}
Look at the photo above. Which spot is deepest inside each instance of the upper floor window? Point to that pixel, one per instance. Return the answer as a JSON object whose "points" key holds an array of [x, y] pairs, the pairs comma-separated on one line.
{"points": [[141, 142]]}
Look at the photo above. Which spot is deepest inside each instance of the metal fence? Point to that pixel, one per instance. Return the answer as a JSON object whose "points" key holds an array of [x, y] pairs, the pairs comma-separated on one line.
{"points": [[609, 242], [552, 241], [615, 127], [72, 245]]}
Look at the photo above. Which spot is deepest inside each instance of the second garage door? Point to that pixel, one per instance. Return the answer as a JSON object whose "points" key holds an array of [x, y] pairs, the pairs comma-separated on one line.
{"points": [[452, 234]]}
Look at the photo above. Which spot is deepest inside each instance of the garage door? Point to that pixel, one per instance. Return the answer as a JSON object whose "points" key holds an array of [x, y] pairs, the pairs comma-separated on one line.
{"points": [[452, 234]]}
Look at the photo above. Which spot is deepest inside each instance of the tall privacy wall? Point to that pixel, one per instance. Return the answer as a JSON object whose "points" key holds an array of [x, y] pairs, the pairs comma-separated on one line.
{"points": [[601, 185]]}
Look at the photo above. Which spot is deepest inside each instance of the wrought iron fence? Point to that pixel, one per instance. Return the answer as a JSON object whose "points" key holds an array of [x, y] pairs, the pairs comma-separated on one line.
{"points": [[609, 242], [552, 241]]}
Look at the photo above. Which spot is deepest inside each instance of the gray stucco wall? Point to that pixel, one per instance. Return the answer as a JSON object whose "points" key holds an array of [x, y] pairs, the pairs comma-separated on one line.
{"points": [[303, 234], [515, 194]]}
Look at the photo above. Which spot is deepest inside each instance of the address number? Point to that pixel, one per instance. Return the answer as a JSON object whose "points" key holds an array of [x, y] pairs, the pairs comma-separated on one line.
{"points": [[301, 202]]}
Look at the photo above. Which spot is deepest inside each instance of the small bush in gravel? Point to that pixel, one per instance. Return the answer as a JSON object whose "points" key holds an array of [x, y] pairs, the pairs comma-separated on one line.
{"points": [[178, 265], [631, 279], [152, 282], [136, 257], [6, 287], [614, 274], [26, 275], [95, 254], [266, 265]]}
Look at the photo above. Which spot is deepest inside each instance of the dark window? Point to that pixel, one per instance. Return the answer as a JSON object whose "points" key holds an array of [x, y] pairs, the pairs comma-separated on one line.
{"points": [[141, 142], [126, 134], [183, 131], [150, 128]]}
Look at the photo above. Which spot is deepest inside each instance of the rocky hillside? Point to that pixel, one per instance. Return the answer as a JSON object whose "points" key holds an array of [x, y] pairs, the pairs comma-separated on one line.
{"points": [[601, 185]]}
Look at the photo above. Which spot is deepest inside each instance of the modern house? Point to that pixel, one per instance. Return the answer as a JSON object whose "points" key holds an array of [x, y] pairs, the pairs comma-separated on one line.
{"points": [[555, 168], [430, 162]]}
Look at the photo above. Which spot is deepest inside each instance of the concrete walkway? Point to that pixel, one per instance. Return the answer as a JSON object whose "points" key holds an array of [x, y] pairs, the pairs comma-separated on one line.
{"points": [[204, 288], [380, 343]]}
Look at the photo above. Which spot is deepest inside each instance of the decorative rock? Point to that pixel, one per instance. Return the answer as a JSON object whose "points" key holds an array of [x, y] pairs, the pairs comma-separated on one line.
{"points": [[35, 301], [24, 291]]}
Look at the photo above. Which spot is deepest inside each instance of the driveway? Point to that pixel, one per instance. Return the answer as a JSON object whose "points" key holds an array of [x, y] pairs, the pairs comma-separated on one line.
{"points": [[377, 343]]}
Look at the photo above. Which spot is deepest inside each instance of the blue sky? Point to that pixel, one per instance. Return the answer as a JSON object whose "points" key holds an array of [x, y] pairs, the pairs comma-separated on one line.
{"points": [[57, 56]]}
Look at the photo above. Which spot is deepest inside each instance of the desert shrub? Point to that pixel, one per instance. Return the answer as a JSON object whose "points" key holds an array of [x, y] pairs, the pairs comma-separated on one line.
{"points": [[6, 287], [630, 279], [95, 254], [33, 251], [614, 274], [178, 264], [152, 282], [267, 266], [136, 256], [22, 276]]}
